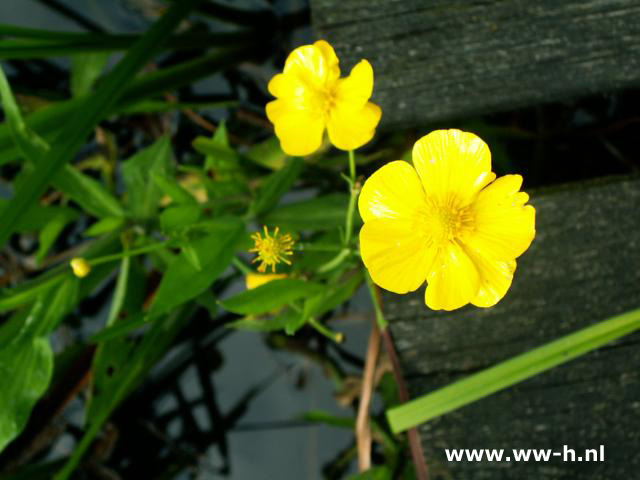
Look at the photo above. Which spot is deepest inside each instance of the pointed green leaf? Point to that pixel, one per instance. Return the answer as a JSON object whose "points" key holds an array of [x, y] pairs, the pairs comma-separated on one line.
{"points": [[182, 281], [269, 296], [144, 194], [85, 70], [105, 225], [275, 186]]}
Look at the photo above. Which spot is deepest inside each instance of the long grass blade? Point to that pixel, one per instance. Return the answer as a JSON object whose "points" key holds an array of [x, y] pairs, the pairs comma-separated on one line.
{"points": [[512, 371]]}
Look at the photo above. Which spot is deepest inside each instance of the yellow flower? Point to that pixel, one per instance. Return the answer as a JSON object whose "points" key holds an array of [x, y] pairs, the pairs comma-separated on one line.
{"points": [[311, 96], [80, 267], [271, 250], [445, 221], [254, 280]]}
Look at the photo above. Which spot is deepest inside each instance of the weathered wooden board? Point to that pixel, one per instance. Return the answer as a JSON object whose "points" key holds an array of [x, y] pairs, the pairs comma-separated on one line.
{"points": [[441, 59], [583, 266]]}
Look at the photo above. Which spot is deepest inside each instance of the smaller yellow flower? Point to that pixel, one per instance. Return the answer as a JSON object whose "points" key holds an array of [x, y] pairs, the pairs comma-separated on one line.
{"points": [[311, 96], [271, 250], [254, 280], [80, 267]]}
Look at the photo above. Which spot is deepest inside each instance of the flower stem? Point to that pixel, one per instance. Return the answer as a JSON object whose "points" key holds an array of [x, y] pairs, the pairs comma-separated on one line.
{"points": [[375, 299], [310, 247], [127, 253], [240, 265], [330, 334], [353, 196]]}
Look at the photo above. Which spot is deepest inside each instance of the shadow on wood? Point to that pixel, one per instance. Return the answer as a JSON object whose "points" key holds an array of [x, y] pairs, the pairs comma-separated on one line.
{"points": [[447, 59], [583, 266]]}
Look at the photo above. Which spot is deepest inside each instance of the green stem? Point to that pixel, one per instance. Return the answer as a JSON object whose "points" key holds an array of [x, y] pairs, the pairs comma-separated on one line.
{"points": [[348, 227], [310, 247], [330, 334], [128, 253], [335, 261], [353, 196], [240, 265], [380, 320]]}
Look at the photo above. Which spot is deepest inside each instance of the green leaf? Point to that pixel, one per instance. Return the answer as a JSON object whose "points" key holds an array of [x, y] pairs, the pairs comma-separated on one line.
{"points": [[269, 324], [182, 281], [320, 213], [26, 367], [511, 371], [104, 225], [275, 186], [26, 358], [170, 186], [269, 296], [75, 43], [219, 156], [85, 70], [179, 216], [87, 192], [29, 143], [138, 172], [333, 296], [48, 235], [38, 216], [90, 194], [88, 113], [267, 154]]}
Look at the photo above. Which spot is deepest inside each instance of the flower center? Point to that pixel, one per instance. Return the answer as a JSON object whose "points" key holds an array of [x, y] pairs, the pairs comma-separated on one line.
{"points": [[271, 250], [328, 101], [444, 221]]}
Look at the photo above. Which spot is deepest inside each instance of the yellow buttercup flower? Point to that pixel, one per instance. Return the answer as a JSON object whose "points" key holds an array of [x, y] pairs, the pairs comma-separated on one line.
{"points": [[254, 280], [80, 267], [271, 250], [311, 96], [445, 221]]}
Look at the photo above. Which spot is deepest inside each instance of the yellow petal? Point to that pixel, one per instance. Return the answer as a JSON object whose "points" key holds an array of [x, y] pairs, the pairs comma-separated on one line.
{"points": [[495, 279], [454, 280], [299, 131], [452, 164], [504, 226], [393, 191], [395, 254], [331, 58], [310, 65], [351, 128], [254, 280], [355, 90]]}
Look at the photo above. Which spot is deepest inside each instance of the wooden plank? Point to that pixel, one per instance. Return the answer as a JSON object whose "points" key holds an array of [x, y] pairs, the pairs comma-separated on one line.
{"points": [[445, 59], [583, 266]]}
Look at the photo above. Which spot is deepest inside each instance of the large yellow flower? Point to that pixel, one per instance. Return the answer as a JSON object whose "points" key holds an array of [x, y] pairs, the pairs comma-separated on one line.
{"points": [[445, 221], [311, 96]]}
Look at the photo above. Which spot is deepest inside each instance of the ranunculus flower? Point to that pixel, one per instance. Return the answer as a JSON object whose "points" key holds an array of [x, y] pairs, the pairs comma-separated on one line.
{"points": [[445, 220], [311, 96]]}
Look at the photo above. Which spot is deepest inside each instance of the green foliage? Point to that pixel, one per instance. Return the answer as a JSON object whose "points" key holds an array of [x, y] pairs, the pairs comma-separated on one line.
{"points": [[275, 186], [182, 281], [139, 173], [320, 213], [270, 296]]}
